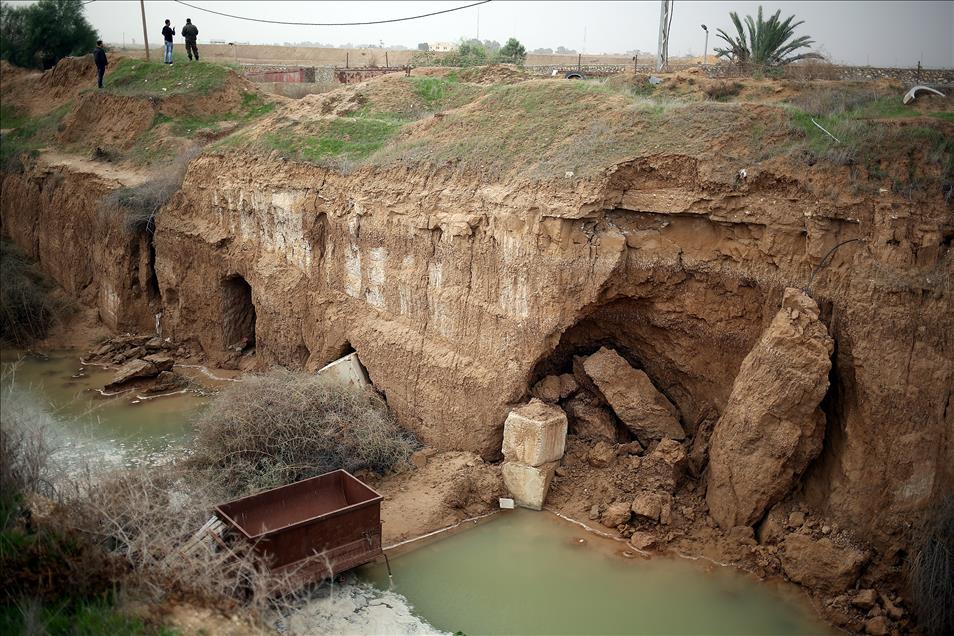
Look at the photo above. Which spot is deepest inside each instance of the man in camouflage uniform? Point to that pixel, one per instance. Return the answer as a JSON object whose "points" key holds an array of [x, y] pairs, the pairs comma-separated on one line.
{"points": [[190, 33]]}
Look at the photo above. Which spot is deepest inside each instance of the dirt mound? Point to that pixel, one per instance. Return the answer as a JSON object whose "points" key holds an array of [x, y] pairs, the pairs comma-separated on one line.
{"points": [[494, 74], [108, 121], [69, 75]]}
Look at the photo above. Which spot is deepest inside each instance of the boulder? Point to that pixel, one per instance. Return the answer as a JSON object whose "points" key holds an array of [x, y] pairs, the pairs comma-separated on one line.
{"points": [[528, 484], [568, 385], [133, 370], [664, 468], [821, 565], [877, 626], [772, 528], [631, 394], [156, 343], [647, 505], [547, 389], [643, 540], [163, 361], [771, 427], [535, 433], [865, 599], [601, 455], [590, 421], [615, 514]]}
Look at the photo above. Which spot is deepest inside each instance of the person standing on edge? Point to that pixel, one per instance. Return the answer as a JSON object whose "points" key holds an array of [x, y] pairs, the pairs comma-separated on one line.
{"points": [[167, 33], [99, 58], [190, 33]]}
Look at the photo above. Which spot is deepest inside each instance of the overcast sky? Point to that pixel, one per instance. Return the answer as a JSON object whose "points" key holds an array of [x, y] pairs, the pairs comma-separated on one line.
{"points": [[876, 33]]}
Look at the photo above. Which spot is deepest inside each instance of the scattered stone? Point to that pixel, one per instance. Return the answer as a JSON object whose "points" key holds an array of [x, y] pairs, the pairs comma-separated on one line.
{"points": [[643, 540], [796, 519], [547, 389], [826, 529], [615, 514], [601, 455], [772, 528], [166, 381], [535, 434], [568, 385], [133, 370], [771, 427], [663, 468], [561, 471], [821, 564], [638, 404], [892, 610], [865, 599], [528, 484], [163, 362], [630, 448], [594, 512], [103, 349], [647, 505], [156, 343], [742, 534], [877, 626], [590, 421]]}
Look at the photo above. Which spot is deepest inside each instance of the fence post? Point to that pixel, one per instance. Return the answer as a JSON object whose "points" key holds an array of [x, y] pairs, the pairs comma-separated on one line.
{"points": [[579, 62], [386, 63], [347, 59]]}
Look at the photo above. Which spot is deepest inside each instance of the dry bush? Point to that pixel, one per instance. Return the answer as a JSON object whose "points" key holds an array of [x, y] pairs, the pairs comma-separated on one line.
{"points": [[28, 308], [142, 203], [931, 574], [812, 70], [829, 102], [722, 91], [284, 426]]}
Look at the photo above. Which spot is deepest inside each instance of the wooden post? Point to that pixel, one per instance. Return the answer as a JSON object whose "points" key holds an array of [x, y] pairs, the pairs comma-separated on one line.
{"points": [[386, 63], [347, 59], [145, 34], [579, 62]]}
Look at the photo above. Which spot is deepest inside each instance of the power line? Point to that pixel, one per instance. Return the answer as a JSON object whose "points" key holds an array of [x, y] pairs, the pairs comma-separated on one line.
{"points": [[413, 17]]}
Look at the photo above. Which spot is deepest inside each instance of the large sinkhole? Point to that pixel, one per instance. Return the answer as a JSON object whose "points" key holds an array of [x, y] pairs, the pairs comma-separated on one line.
{"points": [[688, 344], [238, 314]]}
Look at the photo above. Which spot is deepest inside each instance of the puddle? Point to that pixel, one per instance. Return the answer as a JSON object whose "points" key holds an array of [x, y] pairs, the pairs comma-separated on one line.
{"points": [[531, 573], [87, 427]]}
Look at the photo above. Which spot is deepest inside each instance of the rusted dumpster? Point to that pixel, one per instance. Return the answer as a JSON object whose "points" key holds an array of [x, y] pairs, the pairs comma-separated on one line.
{"points": [[311, 529]]}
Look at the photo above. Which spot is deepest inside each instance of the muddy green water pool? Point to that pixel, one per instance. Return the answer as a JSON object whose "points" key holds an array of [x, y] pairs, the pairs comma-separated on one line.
{"points": [[88, 427], [529, 572]]}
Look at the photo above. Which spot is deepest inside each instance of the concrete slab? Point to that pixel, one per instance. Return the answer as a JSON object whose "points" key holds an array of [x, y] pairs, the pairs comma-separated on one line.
{"points": [[535, 433], [528, 484]]}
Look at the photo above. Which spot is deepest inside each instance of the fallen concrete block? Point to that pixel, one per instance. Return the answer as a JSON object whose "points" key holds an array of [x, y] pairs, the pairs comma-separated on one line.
{"points": [[535, 433], [346, 371], [528, 484]]}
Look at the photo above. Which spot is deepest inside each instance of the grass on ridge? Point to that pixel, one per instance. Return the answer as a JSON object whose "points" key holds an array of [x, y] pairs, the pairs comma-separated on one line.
{"points": [[141, 78]]}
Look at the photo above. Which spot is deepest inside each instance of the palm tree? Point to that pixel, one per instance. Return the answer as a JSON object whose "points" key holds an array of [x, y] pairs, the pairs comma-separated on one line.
{"points": [[769, 42]]}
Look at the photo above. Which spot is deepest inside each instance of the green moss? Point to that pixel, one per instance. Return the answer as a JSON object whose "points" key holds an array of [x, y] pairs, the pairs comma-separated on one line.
{"points": [[11, 117]]}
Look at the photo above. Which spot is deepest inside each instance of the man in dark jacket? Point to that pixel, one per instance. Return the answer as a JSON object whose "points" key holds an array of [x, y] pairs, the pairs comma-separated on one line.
{"points": [[167, 33], [190, 33], [99, 58]]}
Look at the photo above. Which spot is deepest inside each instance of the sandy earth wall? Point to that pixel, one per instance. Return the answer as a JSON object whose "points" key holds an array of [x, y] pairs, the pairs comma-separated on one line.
{"points": [[53, 213], [458, 295]]}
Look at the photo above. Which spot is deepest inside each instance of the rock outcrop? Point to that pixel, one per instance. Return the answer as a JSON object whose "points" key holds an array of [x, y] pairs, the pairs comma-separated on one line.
{"points": [[637, 403], [133, 370], [772, 426]]}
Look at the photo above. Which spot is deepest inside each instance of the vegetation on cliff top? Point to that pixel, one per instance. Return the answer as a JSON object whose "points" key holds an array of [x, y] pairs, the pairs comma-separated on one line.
{"points": [[155, 79], [38, 35]]}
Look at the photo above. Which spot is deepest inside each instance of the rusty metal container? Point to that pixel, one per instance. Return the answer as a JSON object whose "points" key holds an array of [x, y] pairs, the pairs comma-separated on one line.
{"points": [[312, 529]]}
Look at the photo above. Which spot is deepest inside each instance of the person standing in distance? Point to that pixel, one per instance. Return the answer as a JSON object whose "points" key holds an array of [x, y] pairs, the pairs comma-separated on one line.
{"points": [[190, 33], [99, 58], [167, 33]]}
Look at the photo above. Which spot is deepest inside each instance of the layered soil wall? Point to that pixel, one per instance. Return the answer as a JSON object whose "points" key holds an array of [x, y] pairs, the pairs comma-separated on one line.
{"points": [[459, 295]]}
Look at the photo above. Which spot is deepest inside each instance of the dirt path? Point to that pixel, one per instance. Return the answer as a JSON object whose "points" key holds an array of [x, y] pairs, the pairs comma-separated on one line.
{"points": [[78, 164]]}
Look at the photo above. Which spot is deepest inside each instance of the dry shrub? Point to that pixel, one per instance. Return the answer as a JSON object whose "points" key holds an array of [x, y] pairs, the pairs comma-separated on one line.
{"points": [[142, 203], [931, 574], [28, 308], [722, 91], [829, 102], [812, 70], [284, 426]]}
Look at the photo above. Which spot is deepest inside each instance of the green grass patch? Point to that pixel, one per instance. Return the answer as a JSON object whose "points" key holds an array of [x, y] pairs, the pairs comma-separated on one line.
{"points": [[944, 116], [345, 139], [32, 134], [141, 78], [73, 618], [11, 117]]}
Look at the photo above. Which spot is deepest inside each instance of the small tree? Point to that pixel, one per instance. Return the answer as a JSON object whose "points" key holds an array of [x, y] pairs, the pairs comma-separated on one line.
{"points": [[767, 43], [513, 52], [41, 34]]}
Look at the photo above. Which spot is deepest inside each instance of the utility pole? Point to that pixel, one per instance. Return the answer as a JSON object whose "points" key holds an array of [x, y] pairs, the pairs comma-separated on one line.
{"points": [[705, 49], [145, 35], [478, 24], [662, 49]]}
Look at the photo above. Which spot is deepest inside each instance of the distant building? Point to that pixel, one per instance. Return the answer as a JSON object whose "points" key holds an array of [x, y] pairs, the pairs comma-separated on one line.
{"points": [[423, 46], [441, 47]]}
